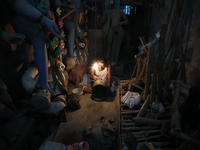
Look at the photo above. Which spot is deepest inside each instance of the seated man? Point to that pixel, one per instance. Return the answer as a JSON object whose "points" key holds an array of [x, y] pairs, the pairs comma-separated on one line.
{"points": [[101, 70], [101, 76]]}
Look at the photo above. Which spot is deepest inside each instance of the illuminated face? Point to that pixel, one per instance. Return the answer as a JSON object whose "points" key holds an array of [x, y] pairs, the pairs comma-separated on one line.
{"points": [[101, 66]]}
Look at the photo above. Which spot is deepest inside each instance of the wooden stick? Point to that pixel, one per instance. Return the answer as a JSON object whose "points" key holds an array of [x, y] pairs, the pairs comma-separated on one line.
{"points": [[149, 121], [184, 136], [139, 128], [170, 67], [168, 9], [149, 137], [175, 119], [149, 69], [139, 63], [158, 144], [183, 89], [142, 40], [161, 49], [154, 77], [142, 72], [130, 124], [172, 26], [141, 60], [144, 107], [146, 132], [68, 14], [134, 85]]}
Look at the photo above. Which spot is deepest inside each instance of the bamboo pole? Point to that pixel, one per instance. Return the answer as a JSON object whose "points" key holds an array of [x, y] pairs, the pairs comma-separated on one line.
{"points": [[143, 68], [143, 42], [175, 119], [149, 69], [143, 58], [186, 137], [175, 29], [149, 137], [149, 121], [168, 9], [161, 49], [170, 67], [144, 107], [146, 132], [172, 26], [154, 76], [139, 128], [139, 63]]}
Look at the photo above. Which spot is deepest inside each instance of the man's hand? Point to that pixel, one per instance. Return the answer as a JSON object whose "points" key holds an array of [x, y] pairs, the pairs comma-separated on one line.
{"points": [[88, 88], [15, 38]]}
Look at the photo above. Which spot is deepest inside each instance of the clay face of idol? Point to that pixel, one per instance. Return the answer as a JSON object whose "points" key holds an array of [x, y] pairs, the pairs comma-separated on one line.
{"points": [[101, 66]]}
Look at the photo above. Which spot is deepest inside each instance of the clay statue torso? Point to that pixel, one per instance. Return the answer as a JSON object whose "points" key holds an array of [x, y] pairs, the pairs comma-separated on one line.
{"points": [[115, 17], [113, 32]]}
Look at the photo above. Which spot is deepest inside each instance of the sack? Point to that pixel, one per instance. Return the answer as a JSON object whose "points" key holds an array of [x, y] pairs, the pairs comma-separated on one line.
{"points": [[131, 99]]}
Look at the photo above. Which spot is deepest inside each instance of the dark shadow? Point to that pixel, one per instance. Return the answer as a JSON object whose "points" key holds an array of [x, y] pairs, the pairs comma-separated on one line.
{"points": [[110, 98]]}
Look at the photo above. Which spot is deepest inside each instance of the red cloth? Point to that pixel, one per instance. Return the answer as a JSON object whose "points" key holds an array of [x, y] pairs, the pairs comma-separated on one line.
{"points": [[9, 29], [79, 146]]}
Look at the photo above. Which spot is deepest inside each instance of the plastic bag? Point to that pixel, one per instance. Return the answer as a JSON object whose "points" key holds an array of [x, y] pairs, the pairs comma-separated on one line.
{"points": [[49, 145]]}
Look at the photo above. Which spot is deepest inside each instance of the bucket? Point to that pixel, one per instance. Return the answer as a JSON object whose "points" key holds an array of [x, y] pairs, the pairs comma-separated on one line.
{"points": [[99, 90], [76, 93]]}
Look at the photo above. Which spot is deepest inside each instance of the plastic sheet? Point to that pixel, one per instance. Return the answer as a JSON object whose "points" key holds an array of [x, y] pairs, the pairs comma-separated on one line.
{"points": [[131, 99], [49, 145], [141, 48]]}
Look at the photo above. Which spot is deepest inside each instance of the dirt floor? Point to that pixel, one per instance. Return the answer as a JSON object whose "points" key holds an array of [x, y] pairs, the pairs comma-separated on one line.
{"points": [[96, 122], [87, 119]]}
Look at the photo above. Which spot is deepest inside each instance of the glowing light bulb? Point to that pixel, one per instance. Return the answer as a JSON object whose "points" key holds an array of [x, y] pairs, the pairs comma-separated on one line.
{"points": [[95, 66]]}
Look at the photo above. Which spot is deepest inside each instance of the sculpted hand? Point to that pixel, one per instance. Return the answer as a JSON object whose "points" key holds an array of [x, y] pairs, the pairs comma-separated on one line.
{"points": [[15, 38], [51, 26]]}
